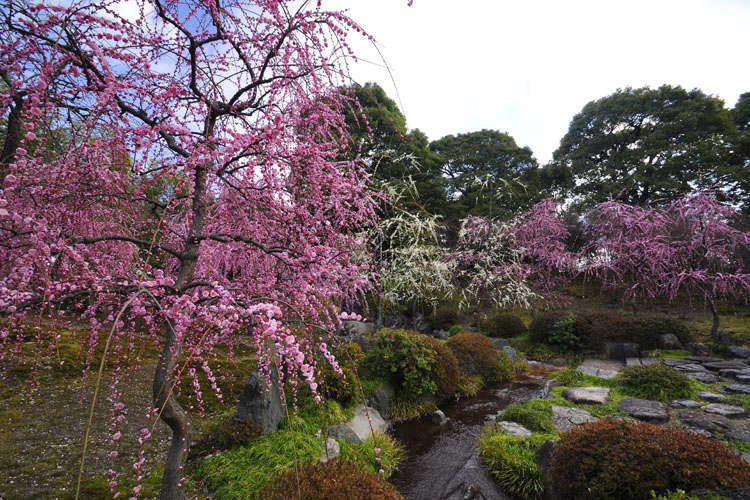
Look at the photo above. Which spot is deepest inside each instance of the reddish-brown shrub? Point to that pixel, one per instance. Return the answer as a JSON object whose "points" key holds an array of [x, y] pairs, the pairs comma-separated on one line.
{"points": [[333, 480], [476, 354], [445, 372], [618, 459]]}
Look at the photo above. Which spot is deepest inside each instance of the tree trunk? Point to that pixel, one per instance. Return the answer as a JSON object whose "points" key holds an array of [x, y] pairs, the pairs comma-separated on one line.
{"points": [[12, 138], [175, 417], [533, 311], [715, 326]]}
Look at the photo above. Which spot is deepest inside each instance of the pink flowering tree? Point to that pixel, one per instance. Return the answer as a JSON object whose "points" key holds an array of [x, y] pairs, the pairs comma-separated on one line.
{"points": [[175, 175], [689, 247], [548, 265]]}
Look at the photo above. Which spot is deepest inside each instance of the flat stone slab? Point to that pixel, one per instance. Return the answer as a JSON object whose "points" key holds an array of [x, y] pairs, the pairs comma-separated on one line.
{"points": [[605, 364], [644, 409], [689, 367], [711, 397], [703, 359], [737, 388], [597, 372], [514, 429], [675, 361], [566, 418], [738, 351], [587, 395], [705, 377], [725, 365], [633, 362], [739, 435], [685, 404], [647, 361], [729, 411], [733, 373], [743, 378]]}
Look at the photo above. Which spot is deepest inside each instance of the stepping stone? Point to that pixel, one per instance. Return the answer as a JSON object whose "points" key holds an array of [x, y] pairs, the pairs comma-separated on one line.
{"points": [[737, 388], [696, 430], [644, 409], [587, 395], [705, 377], [675, 361], [566, 418], [514, 429], [703, 359], [743, 378], [597, 372], [690, 367], [725, 365], [725, 410], [738, 351], [711, 397], [685, 404], [739, 435], [733, 373], [647, 361], [633, 362]]}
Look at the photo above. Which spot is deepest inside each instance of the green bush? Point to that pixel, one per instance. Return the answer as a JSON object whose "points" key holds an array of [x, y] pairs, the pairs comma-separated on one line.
{"points": [[623, 460], [455, 329], [444, 318], [505, 325], [658, 382], [594, 328], [390, 454], [512, 460], [445, 372], [568, 377], [405, 359], [534, 414], [333, 480], [476, 354], [563, 334]]}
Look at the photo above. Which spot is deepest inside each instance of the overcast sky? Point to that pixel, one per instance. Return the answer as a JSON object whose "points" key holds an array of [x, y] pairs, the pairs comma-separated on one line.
{"points": [[526, 67]]}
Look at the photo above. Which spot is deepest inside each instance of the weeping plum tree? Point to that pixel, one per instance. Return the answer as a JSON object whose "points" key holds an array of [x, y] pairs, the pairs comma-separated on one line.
{"points": [[688, 247], [200, 188]]}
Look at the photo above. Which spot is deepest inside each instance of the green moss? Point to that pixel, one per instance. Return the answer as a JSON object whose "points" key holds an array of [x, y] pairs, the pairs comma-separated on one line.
{"points": [[238, 474]]}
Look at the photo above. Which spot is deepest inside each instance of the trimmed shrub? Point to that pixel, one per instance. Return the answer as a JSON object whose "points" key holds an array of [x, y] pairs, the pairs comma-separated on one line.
{"points": [[476, 354], [624, 460], [444, 318], [650, 327], [512, 460], [505, 325], [543, 323], [657, 381], [405, 359], [445, 372], [563, 334], [333, 480]]}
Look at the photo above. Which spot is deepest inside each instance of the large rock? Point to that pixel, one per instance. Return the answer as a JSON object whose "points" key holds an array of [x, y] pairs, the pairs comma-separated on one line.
{"points": [[705, 421], [739, 435], [698, 349], [514, 429], [711, 397], [587, 395], [344, 432], [622, 350], [441, 334], [382, 398], [351, 327], [597, 372], [566, 418], [500, 343], [737, 388], [439, 418], [644, 409], [260, 402], [737, 351], [360, 425], [331, 450], [422, 324], [510, 352], [543, 456], [734, 373], [725, 410], [668, 341]]}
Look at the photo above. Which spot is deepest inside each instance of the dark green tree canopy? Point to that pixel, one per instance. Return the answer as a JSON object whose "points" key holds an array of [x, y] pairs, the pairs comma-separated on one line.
{"points": [[644, 145], [487, 171]]}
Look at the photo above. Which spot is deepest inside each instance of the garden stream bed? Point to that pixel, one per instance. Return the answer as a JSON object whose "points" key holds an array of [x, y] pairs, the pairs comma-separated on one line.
{"points": [[442, 462]]}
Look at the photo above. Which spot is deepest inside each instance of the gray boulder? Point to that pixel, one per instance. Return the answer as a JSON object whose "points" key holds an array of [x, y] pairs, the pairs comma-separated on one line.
{"points": [[514, 429], [260, 402], [734, 373], [441, 334], [668, 341], [587, 395], [331, 450], [644, 409], [382, 398], [711, 397], [725, 410], [739, 435], [698, 349], [705, 421], [737, 388], [543, 456], [725, 365], [500, 343], [343, 432], [737, 351], [439, 418], [510, 352], [566, 418], [597, 372], [361, 426], [352, 327], [743, 378], [422, 324]]}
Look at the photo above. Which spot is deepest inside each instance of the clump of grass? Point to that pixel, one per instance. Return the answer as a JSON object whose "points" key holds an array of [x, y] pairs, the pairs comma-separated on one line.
{"points": [[238, 474], [469, 385], [534, 414], [658, 382], [406, 409], [390, 454], [512, 460]]}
